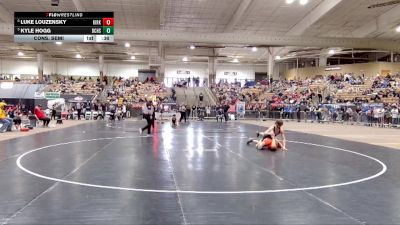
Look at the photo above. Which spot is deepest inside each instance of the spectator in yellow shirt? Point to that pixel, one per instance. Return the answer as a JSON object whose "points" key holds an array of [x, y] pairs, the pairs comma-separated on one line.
{"points": [[4, 121]]}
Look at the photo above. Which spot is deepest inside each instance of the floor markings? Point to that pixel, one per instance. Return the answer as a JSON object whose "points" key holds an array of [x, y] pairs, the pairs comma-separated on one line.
{"points": [[49, 147]]}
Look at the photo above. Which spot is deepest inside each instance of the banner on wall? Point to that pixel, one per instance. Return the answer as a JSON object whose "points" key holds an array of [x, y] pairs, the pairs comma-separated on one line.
{"points": [[186, 72], [230, 73], [6, 85], [39, 94], [240, 107], [78, 99], [333, 68], [52, 95]]}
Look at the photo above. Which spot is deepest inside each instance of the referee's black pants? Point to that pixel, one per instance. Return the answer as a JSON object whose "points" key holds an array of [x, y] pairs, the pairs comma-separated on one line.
{"points": [[149, 123], [183, 116]]}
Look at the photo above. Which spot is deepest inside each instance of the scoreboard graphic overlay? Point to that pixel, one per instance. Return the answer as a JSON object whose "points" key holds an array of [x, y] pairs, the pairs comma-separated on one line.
{"points": [[64, 27]]}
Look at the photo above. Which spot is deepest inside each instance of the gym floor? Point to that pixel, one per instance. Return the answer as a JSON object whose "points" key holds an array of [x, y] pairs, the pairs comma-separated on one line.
{"points": [[198, 173]]}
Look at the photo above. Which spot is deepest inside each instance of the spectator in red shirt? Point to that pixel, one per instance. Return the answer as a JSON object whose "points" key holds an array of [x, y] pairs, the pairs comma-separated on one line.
{"points": [[41, 116]]}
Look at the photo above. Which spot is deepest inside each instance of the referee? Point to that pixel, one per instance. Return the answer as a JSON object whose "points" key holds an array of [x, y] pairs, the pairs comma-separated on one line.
{"points": [[182, 110], [147, 111]]}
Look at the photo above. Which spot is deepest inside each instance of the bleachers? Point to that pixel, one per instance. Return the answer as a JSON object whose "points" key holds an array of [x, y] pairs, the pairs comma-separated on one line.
{"points": [[334, 89], [365, 92], [133, 91], [72, 87], [391, 100]]}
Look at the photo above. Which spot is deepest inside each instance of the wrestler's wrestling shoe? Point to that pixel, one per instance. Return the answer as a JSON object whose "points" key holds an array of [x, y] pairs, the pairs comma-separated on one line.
{"points": [[249, 141]]}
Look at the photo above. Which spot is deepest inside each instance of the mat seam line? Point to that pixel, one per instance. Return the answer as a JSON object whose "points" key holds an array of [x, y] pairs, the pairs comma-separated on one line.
{"points": [[175, 183], [294, 185], [6, 220]]}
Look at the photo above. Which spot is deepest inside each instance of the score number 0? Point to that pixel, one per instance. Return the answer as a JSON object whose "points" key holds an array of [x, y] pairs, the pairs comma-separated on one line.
{"points": [[108, 21]]}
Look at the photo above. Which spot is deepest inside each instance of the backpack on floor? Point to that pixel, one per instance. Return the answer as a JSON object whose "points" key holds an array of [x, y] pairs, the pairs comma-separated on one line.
{"points": [[28, 126]]}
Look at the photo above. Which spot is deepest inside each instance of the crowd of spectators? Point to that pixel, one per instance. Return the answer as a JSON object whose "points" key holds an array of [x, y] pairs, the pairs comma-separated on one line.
{"points": [[263, 92], [331, 89], [47, 79], [134, 93], [18, 79], [335, 97], [80, 86]]}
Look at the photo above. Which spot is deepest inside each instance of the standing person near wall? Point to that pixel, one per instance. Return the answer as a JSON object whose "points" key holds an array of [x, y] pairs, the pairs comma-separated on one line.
{"points": [[173, 96], [395, 115], [286, 112], [208, 111], [370, 115], [226, 108], [258, 110], [103, 109], [205, 82], [312, 113], [319, 93], [349, 114], [96, 107], [268, 109], [79, 109], [381, 116], [124, 111], [53, 112], [319, 114], [305, 109], [219, 110], [88, 108], [193, 111], [188, 109], [201, 111], [377, 116], [298, 113]]}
